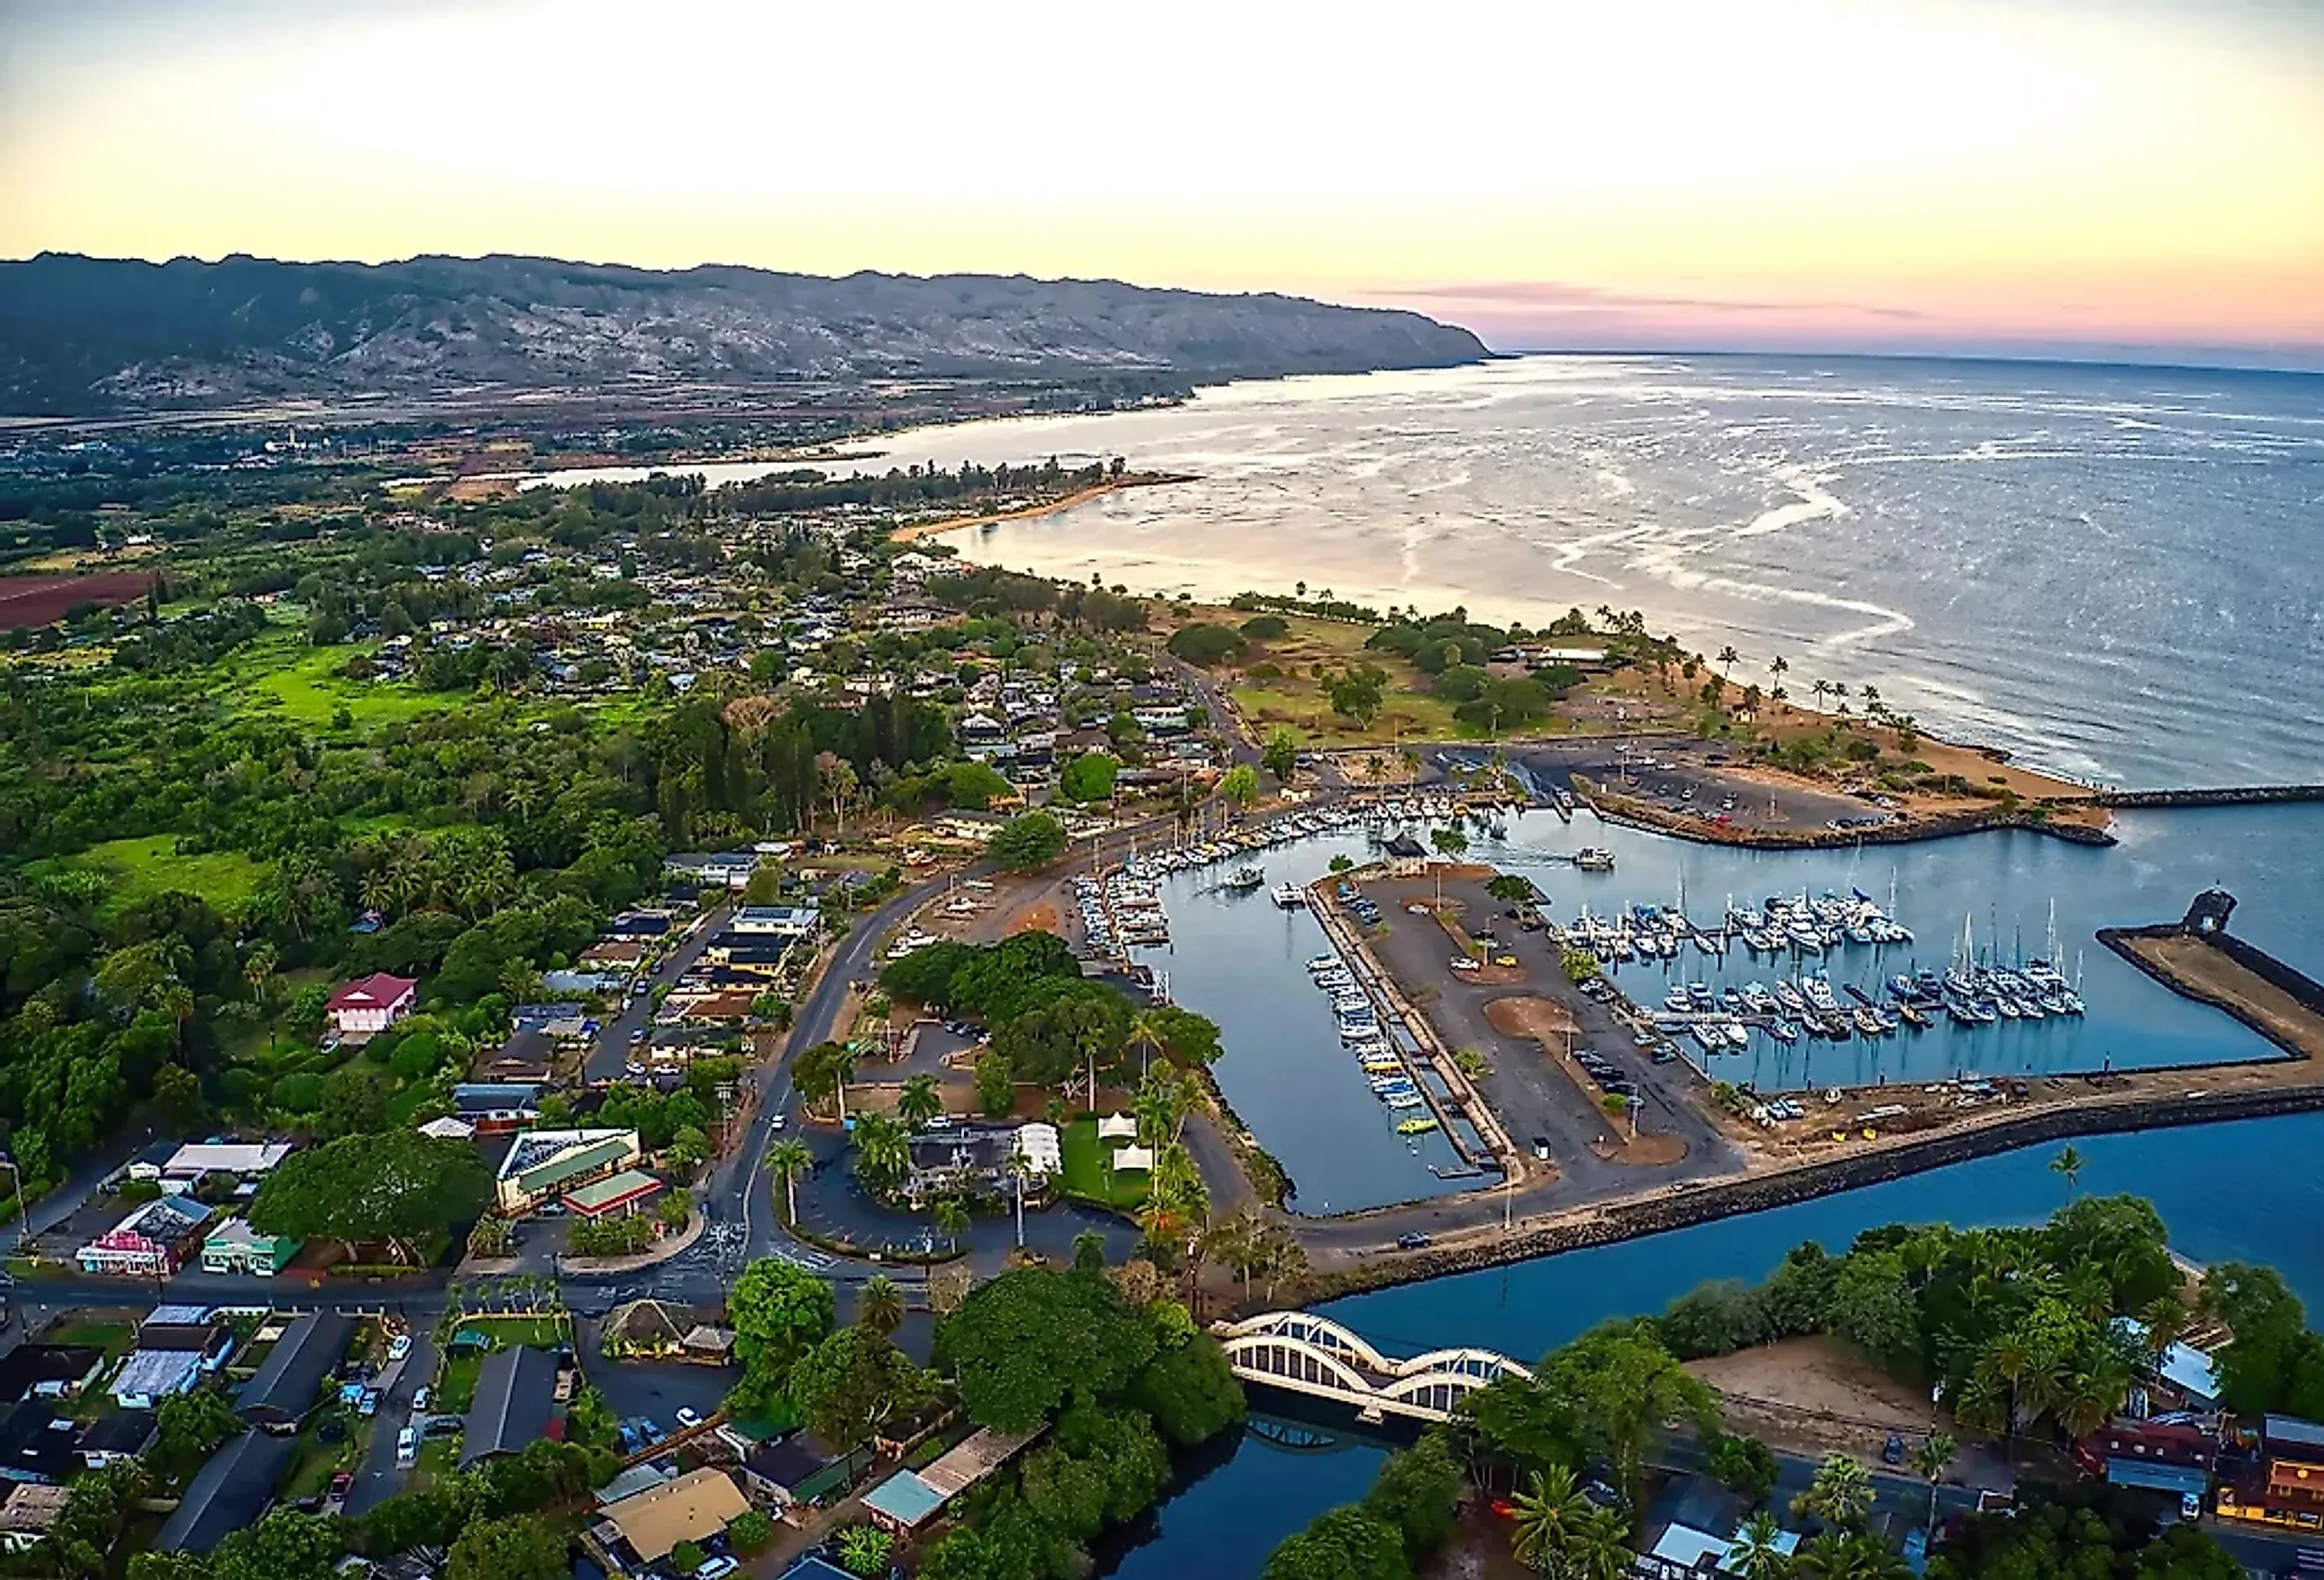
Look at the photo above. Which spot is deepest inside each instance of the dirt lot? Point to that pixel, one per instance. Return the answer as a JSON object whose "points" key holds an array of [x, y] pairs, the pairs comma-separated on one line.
{"points": [[1810, 1396], [42, 600]]}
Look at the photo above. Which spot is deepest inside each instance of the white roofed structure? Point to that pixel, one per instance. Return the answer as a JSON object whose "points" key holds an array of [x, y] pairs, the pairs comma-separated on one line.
{"points": [[1117, 1127], [1039, 1146], [1134, 1159]]}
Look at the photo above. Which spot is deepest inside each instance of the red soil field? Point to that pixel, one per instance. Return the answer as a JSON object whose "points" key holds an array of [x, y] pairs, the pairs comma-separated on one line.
{"points": [[40, 600]]}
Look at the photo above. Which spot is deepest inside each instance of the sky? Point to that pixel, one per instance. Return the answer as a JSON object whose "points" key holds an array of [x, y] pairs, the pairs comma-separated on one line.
{"points": [[1932, 174]]}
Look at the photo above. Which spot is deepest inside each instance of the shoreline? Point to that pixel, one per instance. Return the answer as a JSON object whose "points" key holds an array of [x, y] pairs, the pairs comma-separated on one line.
{"points": [[920, 530]]}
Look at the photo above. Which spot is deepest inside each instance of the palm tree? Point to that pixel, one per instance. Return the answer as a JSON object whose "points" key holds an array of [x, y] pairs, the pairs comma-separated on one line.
{"points": [[1145, 1031], [2086, 1399], [1549, 1516], [789, 1160], [881, 1306], [949, 1219], [1840, 1495], [1759, 1553], [2068, 1166], [2165, 1320], [1854, 1555], [1933, 1458], [1600, 1548], [1818, 690], [1020, 1168], [1728, 658], [919, 1101], [882, 1156]]}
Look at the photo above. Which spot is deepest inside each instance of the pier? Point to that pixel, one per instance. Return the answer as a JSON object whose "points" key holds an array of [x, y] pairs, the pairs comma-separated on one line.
{"points": [[2197, 957]]}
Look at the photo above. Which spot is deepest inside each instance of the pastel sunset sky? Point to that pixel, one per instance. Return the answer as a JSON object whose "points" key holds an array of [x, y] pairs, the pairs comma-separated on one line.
{"points": [[1921, 173]]}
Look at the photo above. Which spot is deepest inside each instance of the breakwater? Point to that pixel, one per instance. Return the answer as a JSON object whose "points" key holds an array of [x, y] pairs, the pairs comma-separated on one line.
{"points": [[2178, 955], [1637, 814], [1684, 1207], [2256, 795]]}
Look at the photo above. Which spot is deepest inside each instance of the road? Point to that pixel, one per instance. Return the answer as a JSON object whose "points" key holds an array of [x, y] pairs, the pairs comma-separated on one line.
{"points": [[609, 1058], [379, 1478]]}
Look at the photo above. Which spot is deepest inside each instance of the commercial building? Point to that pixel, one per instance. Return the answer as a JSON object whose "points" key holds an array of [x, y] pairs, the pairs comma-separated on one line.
{"points": [[234, 1247], [546, 1163], [2285, 1485], [370, 1004], [149, 1243], [186, 1167], [618, 1196], [29, 1514]]}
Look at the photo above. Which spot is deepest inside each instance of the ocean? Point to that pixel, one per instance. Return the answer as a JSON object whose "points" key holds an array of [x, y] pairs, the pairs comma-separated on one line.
{"points": [[2116, 572]]}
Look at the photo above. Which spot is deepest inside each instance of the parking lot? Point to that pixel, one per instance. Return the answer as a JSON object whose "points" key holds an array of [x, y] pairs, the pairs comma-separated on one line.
{"points": [[1697, 779], [1522, 1020]]}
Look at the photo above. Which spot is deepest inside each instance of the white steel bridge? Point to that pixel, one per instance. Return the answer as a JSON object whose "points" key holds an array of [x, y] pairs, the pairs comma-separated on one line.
{"points": [[1314, 1355]]}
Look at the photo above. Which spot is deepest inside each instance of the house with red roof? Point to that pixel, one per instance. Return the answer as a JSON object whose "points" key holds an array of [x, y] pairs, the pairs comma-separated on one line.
{"points": [[370, 1004]]}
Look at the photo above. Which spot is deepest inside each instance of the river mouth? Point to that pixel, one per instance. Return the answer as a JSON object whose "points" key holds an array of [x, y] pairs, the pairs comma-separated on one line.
{"points": [[1241, 959]]}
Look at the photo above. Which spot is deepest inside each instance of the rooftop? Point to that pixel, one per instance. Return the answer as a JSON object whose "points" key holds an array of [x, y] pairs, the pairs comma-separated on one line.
{"points": [[697, 1504]]}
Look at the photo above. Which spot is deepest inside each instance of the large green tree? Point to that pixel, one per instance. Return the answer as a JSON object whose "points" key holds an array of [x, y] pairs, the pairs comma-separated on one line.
{"points": [[779, 1312], [852, 1384], [1344, 1544], [1019, 1346], [522, 1548], [1030, 839], [394, 1188]]}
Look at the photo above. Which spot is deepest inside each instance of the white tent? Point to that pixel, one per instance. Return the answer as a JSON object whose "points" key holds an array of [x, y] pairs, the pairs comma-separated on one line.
{"points": [[449, 1129], [1137, 1158], [1117, 1127], [1039, 1146]]}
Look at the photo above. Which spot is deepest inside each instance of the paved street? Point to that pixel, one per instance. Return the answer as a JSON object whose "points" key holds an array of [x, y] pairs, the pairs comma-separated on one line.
{"points": [[612, 1052], [379, 1477]]}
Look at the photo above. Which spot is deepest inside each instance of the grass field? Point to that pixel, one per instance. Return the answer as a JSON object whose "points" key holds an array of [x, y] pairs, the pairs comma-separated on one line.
{"points": [[1087, 1174], [280, 673], [136, 869]]}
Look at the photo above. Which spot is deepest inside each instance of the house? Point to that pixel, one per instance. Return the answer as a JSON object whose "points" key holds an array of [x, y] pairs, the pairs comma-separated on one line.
{"points": [[233, 1487], [908, 1500], [285, 1389], [29, 1514], [544, 1163], [2184, 1373], [692, 1508], [234, 1247], [810, 1567], [370, 1004], [448, 1129], [618, 1196], [621, 955], [2285, 1486], [496, 1107], [38, 1443], [48, 1371], [798, 1470], [149, 1243], [516, 1391], [640, 924], [779, 921], [971, 827], [581, 982], [553, 1021], [730, 870], [121, 1435]]}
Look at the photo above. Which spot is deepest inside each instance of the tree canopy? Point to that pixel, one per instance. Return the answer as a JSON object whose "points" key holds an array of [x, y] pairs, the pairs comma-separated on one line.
{"points": [[779, 1312], [395, 1187], [1019, 1346]]}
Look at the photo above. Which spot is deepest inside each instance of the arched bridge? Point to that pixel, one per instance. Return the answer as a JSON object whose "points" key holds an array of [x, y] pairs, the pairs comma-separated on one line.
{"points": [[1316, 1355]]}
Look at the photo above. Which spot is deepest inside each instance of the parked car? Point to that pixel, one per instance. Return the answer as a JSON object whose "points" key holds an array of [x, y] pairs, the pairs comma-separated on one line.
{"points": [[1412, 1242], [407, 1447], [420, 1400], [717, 1568], [688, 1418], [1893, 1451], [399, 1348], [1541, 1148]]}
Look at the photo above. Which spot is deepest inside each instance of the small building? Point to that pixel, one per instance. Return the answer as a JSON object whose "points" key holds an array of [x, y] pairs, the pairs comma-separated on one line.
{"points": [[728, 870], [523, 1059], [778, 921], [546, 1163], [150, 1376], [30, 1511], [1038, 1145], [516, 1393], [117, 1435], [149, 1243], [566, 1022], [618, 1196], [448, 1129], [39, 1444], [617, 957], [234, 1247], [496, 1107], [244, 1162], [48, 1371], [908, 1500], [370, 1004], [287, 1380], [692, 1508], [799, 1469], [231, 1491]]}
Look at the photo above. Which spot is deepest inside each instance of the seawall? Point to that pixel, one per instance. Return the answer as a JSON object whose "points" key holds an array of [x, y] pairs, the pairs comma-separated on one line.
{"points": [[2257, 795], [1685, 1207], [1636, 814]]}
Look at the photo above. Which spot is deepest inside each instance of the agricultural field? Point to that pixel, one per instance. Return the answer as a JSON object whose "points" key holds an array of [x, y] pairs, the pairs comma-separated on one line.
{"points": [[42, 600]]}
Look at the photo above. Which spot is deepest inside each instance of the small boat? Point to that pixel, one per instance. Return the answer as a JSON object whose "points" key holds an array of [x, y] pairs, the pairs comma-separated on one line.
{"points": [[1913, 1015], [1783, 1030], [1414, 1127], [1594, 858], [1244, 879], [1290, 896]]}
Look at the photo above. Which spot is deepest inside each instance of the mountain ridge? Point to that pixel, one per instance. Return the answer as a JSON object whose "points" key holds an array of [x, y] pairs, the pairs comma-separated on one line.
{"points": [[81, 335]]}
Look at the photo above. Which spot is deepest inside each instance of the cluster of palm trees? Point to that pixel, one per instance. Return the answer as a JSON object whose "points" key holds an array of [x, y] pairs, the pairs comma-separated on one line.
{"points": [[1250, 1246], [465, 869], [1556, 1529]]}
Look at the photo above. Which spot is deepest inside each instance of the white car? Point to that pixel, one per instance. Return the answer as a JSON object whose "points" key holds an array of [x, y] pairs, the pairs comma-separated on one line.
{"points": [[407, 1447], [717, 1568], [401, 1347], [688, 1418], [778, 1120], [1462, 962]]}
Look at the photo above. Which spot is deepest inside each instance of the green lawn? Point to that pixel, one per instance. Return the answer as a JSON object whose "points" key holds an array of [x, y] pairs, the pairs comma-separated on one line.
{"points": [[545, 1332], [1087, 1174], [137, 869], [109, 1336], [455, 1389], [280, 673]]}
